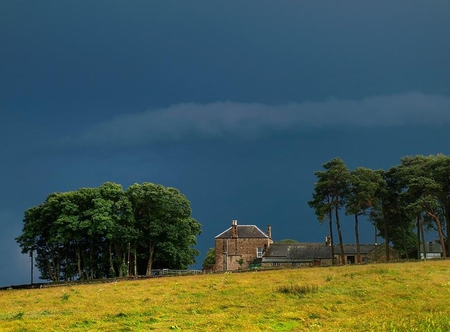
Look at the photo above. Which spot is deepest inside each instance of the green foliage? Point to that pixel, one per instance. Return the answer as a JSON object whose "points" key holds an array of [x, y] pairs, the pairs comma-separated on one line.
{"points": [[108, 232], [330, 194], [210, 258], [240, 261], [406, 200]]}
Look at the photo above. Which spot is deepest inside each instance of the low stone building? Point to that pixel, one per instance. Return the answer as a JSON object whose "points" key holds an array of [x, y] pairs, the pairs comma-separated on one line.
{"points": [[240, 245], [319, 254], [378, 254], [296, 255]]}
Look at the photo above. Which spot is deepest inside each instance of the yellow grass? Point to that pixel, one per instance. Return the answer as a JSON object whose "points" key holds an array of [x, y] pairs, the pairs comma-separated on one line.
{"points": [[412, 296]]}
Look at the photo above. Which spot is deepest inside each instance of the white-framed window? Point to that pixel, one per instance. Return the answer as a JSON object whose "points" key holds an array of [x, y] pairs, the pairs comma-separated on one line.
{"points": [[276, 264], [259, 252]]}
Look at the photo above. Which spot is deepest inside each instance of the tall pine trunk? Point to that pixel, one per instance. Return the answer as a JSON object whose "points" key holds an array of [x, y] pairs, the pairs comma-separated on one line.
{"points": [[422, 234], [440, 233], [330, 225], [386, 233], [358, 248], [341, 242], [447, 219]]}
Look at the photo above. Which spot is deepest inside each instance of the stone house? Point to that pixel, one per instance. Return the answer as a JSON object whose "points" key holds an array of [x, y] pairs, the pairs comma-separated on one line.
{"points": [[240, 245]]}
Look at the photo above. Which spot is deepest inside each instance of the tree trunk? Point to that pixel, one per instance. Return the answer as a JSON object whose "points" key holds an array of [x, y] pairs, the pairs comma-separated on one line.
{"points": [[405, 248], [447, 219], [386, 236], [440, 233], [128, 260], [91, 261], [330, 224], [422, 233], [358, 248], [120, 256], [112, 271], [418, 237], [341, 242], [151, 251], [58, 269], [135, 261], [78, 251], [331, 237], [50, 270], [86, 270]]}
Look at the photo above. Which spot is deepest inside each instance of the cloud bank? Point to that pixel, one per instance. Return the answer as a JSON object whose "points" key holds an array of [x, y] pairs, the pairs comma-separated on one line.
{"points": [[250, 120]]}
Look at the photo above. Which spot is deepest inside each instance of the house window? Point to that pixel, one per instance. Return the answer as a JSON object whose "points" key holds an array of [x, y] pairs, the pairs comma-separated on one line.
{"points": [[296, 264], [259, 252], [276, 264]]}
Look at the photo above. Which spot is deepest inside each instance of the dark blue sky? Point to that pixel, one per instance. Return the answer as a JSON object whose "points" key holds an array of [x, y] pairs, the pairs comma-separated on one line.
{"points": [[234, 103]]}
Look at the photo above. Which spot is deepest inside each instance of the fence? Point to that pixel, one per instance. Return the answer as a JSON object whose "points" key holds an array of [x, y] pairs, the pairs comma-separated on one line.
{"points": [[168, 272]]}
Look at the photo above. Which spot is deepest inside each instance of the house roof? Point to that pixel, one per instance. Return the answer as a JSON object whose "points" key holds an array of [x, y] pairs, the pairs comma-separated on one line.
{"points": [[243, 231]]}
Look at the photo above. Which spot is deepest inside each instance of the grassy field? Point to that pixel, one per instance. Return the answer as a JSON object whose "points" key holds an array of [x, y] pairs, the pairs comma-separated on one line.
{"points": [[413, 296]]}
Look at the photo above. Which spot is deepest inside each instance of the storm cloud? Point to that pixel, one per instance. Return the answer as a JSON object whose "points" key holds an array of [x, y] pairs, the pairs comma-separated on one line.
{"points": [[250, 120]]}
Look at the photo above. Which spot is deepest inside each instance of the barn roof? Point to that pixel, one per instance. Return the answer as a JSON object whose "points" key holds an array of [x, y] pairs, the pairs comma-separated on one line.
{"points": [[296, 252], [306, 252], [351, 249]]}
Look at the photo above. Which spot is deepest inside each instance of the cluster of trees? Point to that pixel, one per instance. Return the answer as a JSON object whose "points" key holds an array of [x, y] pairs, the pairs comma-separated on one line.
{"points": [[403, 202], [102, 232]]}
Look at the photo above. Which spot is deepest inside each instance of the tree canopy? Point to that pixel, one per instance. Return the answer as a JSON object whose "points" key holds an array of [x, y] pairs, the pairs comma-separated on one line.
{"points": [[402, 202], [106, 232]]}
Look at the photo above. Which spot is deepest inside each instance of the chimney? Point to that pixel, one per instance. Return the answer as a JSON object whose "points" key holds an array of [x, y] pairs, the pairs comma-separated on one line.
{"points": [[234, 229], [269, 231], [328, 241]]}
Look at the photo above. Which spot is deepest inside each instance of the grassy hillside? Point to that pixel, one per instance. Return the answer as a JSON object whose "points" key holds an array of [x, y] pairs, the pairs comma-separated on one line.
{"points": [[382, 297]]}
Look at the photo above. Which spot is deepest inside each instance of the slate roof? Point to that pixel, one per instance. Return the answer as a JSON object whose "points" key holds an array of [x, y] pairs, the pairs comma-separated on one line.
{"points": [[296, 252], [350, 249], [307, 252], [243, 231]]}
